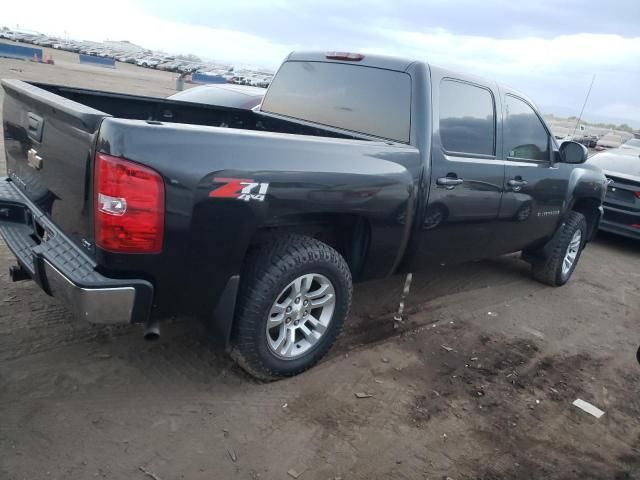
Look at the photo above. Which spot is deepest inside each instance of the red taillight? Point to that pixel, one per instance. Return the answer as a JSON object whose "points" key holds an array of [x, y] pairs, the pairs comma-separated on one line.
{"points": [[637, 194], [129, 206], [346, 56]]}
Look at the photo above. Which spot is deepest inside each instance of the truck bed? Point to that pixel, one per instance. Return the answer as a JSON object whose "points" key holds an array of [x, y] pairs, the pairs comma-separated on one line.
{"points": [[52, 134], [153, 109], [60, 125]]}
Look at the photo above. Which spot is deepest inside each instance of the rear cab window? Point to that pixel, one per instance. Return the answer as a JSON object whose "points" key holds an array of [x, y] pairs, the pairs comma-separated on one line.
{"points": [[367, 100]]}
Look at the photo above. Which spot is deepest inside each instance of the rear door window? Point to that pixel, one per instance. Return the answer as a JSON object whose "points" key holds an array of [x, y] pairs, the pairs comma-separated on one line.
{"points": [[467, 118], [367, 100]]}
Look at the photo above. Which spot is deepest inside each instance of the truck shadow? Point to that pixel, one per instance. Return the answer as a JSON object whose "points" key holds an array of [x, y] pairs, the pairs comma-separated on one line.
{"points": [[446, 292], [435, 295], [183, 344]]}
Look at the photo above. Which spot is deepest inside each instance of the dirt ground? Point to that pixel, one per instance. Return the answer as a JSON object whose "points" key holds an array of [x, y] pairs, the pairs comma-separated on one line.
{"points": [[477, 383]]}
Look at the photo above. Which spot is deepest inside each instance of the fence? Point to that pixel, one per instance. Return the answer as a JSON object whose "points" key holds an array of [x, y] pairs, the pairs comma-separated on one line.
{"points": [[8, 50], [203, 78], [99, 61]]}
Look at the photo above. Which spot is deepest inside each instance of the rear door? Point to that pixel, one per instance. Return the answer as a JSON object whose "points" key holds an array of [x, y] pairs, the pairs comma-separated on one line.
{"points": [[466, 177]]}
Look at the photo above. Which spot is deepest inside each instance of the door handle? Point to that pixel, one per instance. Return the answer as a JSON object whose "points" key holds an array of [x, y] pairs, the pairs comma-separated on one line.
{"points": [[516, 185], [449, 182]]}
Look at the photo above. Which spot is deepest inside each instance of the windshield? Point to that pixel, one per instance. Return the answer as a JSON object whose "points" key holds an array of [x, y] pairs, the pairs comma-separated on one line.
{"points": [[634, 142]]}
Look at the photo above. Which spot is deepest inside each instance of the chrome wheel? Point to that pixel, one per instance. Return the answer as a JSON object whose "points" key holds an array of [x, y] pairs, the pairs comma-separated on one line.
{"points": [[571, 253], [300, 315]]}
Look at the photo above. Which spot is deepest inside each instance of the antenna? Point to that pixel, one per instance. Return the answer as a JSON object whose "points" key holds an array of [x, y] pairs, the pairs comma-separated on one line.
{"points": [[584, 104]]}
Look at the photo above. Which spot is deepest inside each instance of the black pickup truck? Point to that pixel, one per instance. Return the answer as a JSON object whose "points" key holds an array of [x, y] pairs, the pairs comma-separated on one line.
{"points": [[135, 209]]}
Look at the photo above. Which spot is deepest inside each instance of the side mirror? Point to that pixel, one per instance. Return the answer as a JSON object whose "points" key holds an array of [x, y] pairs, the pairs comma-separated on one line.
{"points": [[573, 152]]}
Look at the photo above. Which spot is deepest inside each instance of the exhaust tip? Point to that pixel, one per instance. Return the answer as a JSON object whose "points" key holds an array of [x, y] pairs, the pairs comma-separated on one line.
{"points": [[152, 332]]}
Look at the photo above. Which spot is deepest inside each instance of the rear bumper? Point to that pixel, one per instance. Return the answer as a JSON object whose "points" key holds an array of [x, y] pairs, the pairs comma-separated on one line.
{"points": [[63, 270], [620, 229]]}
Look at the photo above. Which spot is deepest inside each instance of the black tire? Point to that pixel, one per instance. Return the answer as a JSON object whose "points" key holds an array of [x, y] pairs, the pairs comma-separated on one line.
{"points": [[549, 269], [268, 269]]}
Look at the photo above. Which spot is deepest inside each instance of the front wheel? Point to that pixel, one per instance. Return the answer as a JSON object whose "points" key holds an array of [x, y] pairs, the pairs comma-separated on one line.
{"points": [[294, 296], [564, 252]]}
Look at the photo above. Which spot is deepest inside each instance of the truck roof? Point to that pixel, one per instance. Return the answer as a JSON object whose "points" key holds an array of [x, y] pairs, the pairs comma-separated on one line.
{"points": [[399, 64]]}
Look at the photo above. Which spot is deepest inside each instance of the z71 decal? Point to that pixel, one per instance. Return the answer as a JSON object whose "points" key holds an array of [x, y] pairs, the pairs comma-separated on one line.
{"points": [[240, 188]]}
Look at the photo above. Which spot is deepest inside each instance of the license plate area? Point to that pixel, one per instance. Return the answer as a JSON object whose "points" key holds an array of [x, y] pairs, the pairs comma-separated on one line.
{"points": [[15, 213], [10, 212], [40, 234], [620, 194]]}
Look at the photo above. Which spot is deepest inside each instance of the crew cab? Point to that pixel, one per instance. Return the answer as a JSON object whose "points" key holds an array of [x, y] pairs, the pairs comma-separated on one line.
{"points": [[136, 209]]}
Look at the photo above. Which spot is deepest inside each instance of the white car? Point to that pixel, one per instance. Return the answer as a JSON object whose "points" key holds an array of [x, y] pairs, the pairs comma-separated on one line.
{"points": [[632, 144], [149, 62]]}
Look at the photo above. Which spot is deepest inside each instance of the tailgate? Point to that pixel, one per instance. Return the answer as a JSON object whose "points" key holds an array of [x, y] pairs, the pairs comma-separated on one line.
{"points": [[48, 145]]}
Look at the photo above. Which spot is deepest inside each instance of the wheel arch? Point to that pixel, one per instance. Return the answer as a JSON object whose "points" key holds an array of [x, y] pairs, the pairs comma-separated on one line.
{"points": [[590, 207], [349, 234]]}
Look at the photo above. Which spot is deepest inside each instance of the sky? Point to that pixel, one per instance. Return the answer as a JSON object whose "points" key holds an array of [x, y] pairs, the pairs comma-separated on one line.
{"points": [[548, 49]]}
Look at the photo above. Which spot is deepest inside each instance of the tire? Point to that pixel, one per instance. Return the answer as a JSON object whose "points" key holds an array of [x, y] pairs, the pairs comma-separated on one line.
{"points": [[269, 281], [549, 270]]}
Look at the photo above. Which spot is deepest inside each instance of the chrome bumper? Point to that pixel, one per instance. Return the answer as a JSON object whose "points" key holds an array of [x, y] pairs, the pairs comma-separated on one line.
{"points": [[95, 305], [63, 270]]}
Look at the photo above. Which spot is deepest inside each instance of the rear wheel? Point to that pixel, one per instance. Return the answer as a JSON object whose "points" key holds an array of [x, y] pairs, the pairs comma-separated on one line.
{"points": [[564, 252], [294, 296]]}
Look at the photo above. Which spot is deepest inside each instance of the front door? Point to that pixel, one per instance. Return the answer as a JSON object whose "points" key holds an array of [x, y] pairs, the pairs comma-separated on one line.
{"points": [[535, 188], [466, 177]]}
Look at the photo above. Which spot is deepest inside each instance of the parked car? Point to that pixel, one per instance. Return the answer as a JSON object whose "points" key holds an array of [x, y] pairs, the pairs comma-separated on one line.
{"points": [[149, 62], [610, 140], [259, 221], [622, 203], [187, 67], [128, 58], [631, 144], [171, 65], [168, 66], [7, 34], [589, 141], [224, 95], [26, 37], [45, 41]]}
